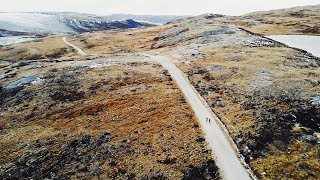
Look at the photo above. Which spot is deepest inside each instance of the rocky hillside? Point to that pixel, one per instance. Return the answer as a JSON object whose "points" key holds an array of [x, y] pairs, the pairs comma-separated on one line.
{"points": [[266, 93], [302, 20]]}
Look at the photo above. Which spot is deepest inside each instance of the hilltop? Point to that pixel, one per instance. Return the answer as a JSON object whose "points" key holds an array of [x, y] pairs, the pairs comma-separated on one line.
{"points": [[298, 20]]}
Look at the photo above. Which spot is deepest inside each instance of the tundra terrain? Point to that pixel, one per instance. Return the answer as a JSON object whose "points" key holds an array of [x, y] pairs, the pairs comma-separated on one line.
{"points": [[298, 20], [121, 116], [109, 118]]}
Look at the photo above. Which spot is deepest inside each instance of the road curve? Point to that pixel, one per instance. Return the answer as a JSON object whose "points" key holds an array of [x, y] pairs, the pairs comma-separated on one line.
{"points": [[80, 52], [226, 157]]}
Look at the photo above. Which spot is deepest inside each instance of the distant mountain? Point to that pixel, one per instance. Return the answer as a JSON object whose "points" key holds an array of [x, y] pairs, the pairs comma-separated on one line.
{"points": [[59, 23], [153, 19], [73, 23], [26, 26]]}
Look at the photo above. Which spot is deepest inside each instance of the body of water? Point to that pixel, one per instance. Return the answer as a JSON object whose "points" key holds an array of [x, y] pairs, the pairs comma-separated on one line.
{"points": [[305, 42], [15, 39]]}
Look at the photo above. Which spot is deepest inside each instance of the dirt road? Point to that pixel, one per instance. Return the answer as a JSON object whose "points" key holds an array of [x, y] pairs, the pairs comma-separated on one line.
{"points": [[226, 157], [80, 52]]}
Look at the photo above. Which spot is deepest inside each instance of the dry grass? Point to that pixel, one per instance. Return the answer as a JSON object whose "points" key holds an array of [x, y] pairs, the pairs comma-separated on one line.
{"points": [[137, 103], [232, 96], [97, 44], [50, 47], [109, 43], [301, 156], [300, 20]]}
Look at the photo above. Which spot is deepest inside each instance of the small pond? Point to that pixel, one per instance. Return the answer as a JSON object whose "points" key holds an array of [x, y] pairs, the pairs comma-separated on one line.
{"points": [[305, 42]]}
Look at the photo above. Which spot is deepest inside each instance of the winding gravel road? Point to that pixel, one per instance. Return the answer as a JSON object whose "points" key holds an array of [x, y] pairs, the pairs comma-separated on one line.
{"points": [[226, 157], [80, 52]]}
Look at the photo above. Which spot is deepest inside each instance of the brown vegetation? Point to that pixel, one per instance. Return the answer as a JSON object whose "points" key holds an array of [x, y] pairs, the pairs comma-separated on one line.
{"points": [[299, 20], [131, 122], [46, 48]]}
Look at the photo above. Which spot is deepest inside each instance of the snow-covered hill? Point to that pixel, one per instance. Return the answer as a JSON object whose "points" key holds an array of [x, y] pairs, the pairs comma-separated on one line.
{"points": [[152, 19], [60, 23], [33, 22], [26, 26]]}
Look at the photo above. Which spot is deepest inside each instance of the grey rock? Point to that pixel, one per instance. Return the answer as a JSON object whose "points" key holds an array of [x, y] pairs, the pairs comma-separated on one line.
{"points": [[222, 30], [315, 100], [309, 138], [216, 68], [212, 16], [304, 166], [234, 58], [263, 80], [217, 103], [20, 82]]}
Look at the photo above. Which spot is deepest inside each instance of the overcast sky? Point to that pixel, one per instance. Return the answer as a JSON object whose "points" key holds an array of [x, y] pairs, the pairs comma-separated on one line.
{"points": [[174, 7]]}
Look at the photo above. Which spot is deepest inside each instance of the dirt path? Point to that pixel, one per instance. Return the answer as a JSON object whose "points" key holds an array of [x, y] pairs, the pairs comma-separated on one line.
{"points": [[80, 52], [231, 167]]}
